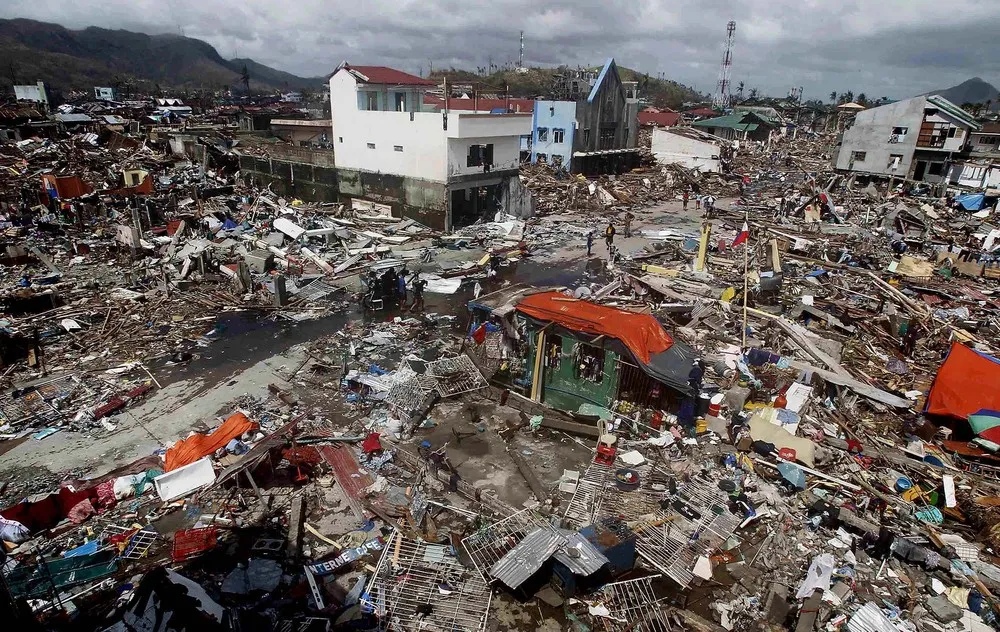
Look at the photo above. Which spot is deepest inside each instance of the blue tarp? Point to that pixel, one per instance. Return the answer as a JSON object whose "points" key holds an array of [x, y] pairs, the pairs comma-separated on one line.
{"points": [[971, 201]]}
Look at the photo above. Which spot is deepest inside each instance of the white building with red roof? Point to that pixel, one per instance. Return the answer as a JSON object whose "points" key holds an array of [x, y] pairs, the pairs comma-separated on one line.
{"points": [[443, 167]]}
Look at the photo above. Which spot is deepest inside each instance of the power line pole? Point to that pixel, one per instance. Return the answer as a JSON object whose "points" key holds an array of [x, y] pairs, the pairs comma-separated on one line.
{"points": [[722, 98], [520, 56]]}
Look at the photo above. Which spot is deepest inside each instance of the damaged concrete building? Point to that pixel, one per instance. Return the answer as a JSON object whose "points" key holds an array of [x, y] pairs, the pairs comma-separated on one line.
{"points": [[597, 133], [914, 139], [444, 169]]}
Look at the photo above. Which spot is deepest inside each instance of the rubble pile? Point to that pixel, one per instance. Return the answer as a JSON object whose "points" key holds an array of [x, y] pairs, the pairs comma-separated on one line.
{"points": [[768, 400]]}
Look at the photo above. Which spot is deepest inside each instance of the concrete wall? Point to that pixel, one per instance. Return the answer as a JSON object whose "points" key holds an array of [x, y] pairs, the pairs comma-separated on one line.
{"points": [[422, 200], [506, 154], [871, 133], [670, 148], [420, 136], [552, 115]]}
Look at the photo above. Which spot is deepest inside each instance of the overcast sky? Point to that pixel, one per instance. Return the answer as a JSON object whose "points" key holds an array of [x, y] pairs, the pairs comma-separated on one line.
{"points": [[894, 48]]}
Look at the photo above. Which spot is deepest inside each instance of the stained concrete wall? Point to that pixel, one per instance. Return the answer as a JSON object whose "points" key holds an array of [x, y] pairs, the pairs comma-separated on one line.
{"points": [[421, 200]]}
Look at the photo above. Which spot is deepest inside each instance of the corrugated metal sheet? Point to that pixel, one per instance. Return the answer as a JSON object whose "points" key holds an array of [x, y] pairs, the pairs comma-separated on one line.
{"points": [[579, 555], [524, 560]]}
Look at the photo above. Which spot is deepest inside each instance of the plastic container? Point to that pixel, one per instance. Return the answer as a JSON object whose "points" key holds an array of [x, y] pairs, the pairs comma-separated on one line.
{"points": [[715, 405], [903, 484]]}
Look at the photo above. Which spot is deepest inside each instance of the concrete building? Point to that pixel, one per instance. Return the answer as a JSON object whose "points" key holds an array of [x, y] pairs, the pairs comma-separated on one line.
{"points": [[302, 132], [688, 147], [445, 169], [915, 139], [594, 134], [32, 94]]}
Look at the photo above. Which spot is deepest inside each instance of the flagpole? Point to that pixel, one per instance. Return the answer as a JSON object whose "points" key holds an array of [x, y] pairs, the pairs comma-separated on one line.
{"points": [[746, 273]]}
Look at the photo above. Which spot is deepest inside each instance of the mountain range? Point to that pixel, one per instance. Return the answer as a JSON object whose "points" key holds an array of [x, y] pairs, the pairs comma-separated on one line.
{"points": [[81, 59], [975, 90]]}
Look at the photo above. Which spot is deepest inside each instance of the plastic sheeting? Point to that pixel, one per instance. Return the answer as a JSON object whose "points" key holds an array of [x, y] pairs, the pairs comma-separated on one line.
{"points": [[641, 333], [818, 576], [966, 382], [196, 446], [971, 201]]}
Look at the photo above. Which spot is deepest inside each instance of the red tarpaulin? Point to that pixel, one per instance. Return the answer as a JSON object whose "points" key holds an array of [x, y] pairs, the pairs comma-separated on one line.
{"points": [[967, 382], [641, 333], [196, 446]]}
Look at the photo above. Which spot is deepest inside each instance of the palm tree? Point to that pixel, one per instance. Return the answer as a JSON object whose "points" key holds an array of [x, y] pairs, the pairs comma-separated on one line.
{"points": [[833, 96], [739, 91], [752, 95], [862, 99], [847, 97]]}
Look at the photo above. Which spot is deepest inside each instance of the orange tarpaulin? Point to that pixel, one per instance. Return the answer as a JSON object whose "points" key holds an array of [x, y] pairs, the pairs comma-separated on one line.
{"points": [[965, 383], [641, 333], [196, 446]]}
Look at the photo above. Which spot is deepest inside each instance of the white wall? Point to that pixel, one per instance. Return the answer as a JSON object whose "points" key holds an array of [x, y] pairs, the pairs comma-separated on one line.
{"points": [[488, 125], [506, 154], [420, 134], [670, 148]]}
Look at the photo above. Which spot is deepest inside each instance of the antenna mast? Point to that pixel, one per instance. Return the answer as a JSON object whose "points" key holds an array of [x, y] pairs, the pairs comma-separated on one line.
{"points": [[722, 97]]}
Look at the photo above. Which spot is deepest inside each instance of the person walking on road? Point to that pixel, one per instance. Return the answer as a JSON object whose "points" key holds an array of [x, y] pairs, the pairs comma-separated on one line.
{"points": [[685, 198]]}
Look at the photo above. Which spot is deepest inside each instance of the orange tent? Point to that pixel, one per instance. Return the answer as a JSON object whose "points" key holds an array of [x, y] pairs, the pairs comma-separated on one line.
{"points": [[641, 333], [196, 446], [966, 382]]}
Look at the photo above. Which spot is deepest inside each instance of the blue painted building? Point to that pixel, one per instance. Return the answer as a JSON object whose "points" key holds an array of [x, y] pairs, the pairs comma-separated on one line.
{"points": [[552, 128]]}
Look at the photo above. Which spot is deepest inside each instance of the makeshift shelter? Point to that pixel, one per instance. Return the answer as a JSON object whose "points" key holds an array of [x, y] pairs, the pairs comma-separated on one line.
{"points": [[641, 333], [966, 382], [196, 446]]}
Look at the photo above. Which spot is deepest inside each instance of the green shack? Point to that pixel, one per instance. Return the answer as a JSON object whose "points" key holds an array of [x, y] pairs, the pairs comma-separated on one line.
{"points": [[575, 355]]}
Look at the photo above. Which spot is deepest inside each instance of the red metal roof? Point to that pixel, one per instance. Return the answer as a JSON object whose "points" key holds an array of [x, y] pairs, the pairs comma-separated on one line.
{"points": [[702, 112], [482, 105], [382, 74], [659, 119]]}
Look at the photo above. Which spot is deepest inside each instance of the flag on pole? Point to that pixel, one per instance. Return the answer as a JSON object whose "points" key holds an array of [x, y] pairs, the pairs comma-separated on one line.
{"points": [[742, 236]]}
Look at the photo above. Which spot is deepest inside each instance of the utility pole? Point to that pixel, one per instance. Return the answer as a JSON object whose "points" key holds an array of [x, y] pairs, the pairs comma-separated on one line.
{"points": [[520, 56]]}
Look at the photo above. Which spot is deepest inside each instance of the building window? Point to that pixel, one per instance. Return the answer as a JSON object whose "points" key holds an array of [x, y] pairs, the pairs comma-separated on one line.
{"points": [[543, 134], [898, 134], [589, 364], [894, 161], [952, 131], [371, 145], [557, 160], [558, 136], [935, 168], [859, 156], [398, 148], [586, 136], [399, 99], [340, 139], [541, 158], [368, 100], [480, 156]]}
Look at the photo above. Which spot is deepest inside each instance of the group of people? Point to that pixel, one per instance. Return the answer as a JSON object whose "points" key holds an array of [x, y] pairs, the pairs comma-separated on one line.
{"points": [[391, 288], [610, 231]]}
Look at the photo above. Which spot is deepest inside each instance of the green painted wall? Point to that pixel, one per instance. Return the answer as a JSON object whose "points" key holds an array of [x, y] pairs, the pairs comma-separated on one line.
{"points": [[562, 390]]}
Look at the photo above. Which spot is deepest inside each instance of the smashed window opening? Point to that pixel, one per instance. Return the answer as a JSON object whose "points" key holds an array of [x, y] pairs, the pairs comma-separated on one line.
{"points": [[894, 161], [480, 156], [543, 134], [398, 148], [400, 101], [371, 145], [859, 156]]}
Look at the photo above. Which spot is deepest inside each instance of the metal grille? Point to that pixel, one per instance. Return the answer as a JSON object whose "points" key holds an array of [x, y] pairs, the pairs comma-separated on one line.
{"points": [[315, 291], [417, 585], [635, 606], [455, 375], [487, 545], [666, 539], [140, 543], [34, 405]]}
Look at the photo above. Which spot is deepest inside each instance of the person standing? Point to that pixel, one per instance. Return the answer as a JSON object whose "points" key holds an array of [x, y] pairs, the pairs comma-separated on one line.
{"points": [[418, 293], [685, 198], [628, 223], [590, 241], [709, 204], [401, 289], [609, 235]]}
